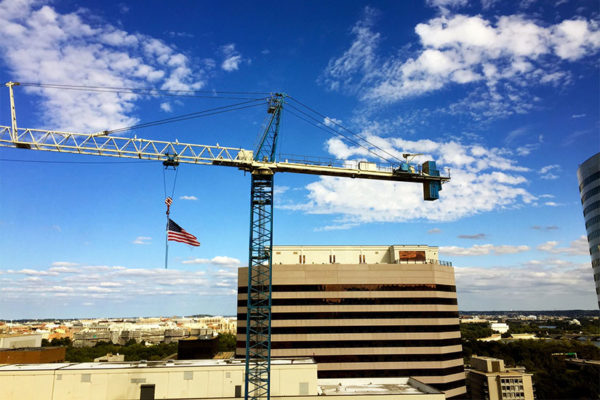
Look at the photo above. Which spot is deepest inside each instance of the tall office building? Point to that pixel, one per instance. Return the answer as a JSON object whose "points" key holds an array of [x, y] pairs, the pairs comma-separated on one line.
{"points": [[588, 175], [365, 311]]}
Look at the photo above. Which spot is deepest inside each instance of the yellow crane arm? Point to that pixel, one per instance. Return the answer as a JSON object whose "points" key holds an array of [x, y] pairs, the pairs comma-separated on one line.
{"points": [[100, 144]]}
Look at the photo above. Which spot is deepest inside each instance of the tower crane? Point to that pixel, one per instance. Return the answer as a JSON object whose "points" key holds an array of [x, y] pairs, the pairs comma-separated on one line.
{"points": [[262, 165]]}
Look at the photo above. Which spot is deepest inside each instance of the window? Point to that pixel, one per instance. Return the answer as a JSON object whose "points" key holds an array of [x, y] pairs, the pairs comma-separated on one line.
{"points": [[188, 375], [147, 392], [303, 389], [238, 391], [86, 377]]}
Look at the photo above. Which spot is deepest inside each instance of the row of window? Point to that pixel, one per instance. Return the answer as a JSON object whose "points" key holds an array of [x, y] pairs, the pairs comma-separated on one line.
{"points": [[592, 221], [285, 330], [384, 373], [351, 287], [593, 235], [593, 177], [334, 344], [370, 358], [358, 315], [590, 193], [591, 208], [358, 301]]}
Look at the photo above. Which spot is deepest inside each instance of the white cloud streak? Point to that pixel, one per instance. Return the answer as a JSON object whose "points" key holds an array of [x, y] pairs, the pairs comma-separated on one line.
{"points": [[483, 179], [232, 58], [540, 284], [576, 247], [142, 240], [482, 249], [500, 56], [40, 44]]}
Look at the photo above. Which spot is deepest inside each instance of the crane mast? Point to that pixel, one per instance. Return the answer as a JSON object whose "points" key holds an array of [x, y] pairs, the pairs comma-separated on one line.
{"points": [[262, 165]]}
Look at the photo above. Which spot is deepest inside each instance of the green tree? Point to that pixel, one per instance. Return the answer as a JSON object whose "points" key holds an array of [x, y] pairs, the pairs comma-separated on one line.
{"points": [[226, 342]]}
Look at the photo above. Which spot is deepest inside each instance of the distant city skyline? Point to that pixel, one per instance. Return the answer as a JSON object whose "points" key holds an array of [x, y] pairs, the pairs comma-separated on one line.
{"points": [[505, 95]]}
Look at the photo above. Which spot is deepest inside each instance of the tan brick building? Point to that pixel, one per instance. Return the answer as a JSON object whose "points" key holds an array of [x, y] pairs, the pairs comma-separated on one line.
{"points": [[365, 311], [491, 380]]}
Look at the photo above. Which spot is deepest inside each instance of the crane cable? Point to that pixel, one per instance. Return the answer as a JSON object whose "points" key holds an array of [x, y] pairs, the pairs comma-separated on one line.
{"points": [[197, 114], [216, 94], [318, 124], [361, 138]]}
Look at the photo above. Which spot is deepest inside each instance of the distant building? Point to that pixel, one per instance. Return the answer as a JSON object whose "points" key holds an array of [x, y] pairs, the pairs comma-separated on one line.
{"points": [[16, 340], [499, 327], [33, 355], [197, 349], [199, 379], [489, 379], [110, 357], [365, 312], [588, 175]]}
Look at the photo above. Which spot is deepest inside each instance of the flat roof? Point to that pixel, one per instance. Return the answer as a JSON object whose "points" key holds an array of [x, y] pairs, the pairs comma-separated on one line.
{"points": [[351, 386], [148, 364]]}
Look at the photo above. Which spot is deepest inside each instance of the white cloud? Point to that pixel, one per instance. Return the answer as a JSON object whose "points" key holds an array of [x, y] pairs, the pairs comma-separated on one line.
{"points": [[500, 57], [541, 284], [577, 247], [188, 198], [218, 260], [232, 58], [331, 121], [166, 107], [64, 264], [553, 204], [482, 179], [434, 231], [447, 3], [547, 172], [482, 249], [41, 44], [578, 115], [142, 240]]}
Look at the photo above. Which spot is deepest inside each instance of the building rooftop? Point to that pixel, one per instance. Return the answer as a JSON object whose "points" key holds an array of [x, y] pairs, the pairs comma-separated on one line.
{"points": [[147, 364], [387, 386]]}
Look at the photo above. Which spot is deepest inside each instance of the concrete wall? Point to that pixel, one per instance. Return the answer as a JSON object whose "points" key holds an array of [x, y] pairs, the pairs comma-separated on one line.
{"points": [[106, 382], [20, 341]]}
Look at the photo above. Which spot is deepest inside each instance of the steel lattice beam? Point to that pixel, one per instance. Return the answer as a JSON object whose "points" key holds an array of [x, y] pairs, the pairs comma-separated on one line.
{"points": [[258, 311]]}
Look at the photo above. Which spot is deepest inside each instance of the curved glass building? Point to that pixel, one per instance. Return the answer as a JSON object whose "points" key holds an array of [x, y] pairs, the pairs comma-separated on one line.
{"points": [[588, 175]]}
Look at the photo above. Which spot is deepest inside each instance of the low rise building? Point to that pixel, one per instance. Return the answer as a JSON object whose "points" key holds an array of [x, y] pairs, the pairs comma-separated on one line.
{"points": [[16, 341], [489, 379], [499, 327], [293, 379], [33, 355]]}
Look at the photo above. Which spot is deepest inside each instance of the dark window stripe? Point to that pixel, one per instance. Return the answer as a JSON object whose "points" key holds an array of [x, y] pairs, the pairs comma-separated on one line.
{"points": [[358, 315], [591, 207], [590, 193], [379, 373], [370, 358], [241, 330], [448, 386], [332, 344], [589, 179], [357, 288], [358, 301], [592, 221], [593, 235]]}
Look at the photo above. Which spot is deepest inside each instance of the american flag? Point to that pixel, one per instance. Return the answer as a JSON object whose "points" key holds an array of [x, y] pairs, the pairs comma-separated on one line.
{"points": [[178, 234]]}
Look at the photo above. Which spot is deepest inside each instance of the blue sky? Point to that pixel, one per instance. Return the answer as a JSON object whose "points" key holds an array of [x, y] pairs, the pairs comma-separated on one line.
{"points": [[504, 94]]}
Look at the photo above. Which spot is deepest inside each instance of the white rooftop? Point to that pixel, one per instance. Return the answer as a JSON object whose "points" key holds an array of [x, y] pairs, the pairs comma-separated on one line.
{"points": [[147, 364], [338, 387]]}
